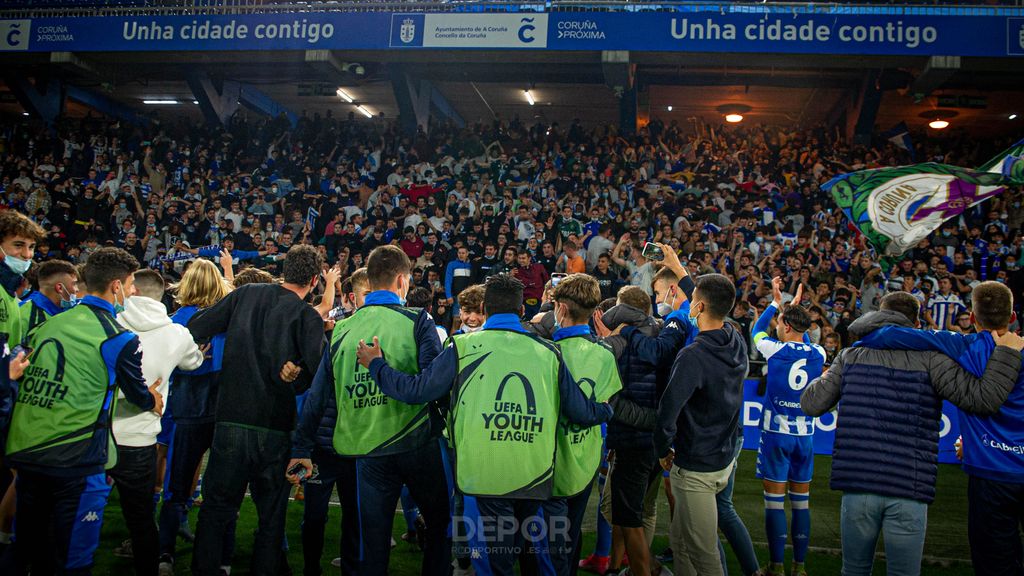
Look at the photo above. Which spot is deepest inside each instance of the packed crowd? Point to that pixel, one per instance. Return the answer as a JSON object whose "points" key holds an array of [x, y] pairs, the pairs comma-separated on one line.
{"points": [[507, 236], [533, 200]]}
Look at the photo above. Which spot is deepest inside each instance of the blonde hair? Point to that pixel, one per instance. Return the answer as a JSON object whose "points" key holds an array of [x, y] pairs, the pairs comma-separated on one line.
{"points": [[202, 285]]}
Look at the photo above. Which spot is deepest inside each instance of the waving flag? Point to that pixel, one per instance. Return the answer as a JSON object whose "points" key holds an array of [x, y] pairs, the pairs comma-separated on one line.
{"points": [[900, 136], [895, 208]]}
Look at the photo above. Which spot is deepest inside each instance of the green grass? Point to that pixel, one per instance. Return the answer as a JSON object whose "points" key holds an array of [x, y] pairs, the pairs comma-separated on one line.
{"points": [[946, 549]]}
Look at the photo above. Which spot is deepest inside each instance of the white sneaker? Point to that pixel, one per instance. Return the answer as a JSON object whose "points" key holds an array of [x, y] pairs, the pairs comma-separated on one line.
{"points": [[165, 569], [336, 562]]}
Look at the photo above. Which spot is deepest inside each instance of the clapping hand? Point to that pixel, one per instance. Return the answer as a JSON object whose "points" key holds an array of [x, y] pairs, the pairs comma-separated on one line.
{"points": [[777, 290]]}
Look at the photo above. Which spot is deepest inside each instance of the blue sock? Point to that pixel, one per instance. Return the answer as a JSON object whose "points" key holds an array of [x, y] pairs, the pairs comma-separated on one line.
{"points": [[603, 546], [801, 524], [409, 510], [775, 526]]}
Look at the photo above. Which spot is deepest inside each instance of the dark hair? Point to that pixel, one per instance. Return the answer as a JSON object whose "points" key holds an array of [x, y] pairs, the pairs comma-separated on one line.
{"points": [[151, 284], [718, 294], [992, 304], [106, 265], [384, 264], [418, 297], [301, 265], [798, 318], [503, 294], [904, 303]]}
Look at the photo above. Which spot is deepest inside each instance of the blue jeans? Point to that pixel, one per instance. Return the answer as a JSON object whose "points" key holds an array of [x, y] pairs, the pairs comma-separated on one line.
{"points": [[865, 516], [730, 523]]}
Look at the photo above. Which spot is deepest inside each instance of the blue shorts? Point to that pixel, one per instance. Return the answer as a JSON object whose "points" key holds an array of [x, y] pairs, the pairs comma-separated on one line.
{"points": [[166, 429], [784, 458]]}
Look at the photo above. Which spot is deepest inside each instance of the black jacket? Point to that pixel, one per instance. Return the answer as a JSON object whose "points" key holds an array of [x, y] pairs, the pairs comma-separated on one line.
{"points": [[266, 326]]}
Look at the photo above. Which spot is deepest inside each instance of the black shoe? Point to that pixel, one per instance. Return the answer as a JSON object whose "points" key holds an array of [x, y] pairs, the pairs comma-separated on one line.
{"points": [[421, 532]]}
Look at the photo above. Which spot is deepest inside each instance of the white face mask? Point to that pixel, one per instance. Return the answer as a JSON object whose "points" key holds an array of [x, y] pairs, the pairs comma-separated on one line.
{"points": [[467, 329], [664, 309]]}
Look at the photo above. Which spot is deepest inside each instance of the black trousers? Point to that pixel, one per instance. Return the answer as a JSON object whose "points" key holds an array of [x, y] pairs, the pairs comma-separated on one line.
{"points": [[134, 477], [332, 471], [47, 507], [240, 457], [994, 517], [380, 481]]}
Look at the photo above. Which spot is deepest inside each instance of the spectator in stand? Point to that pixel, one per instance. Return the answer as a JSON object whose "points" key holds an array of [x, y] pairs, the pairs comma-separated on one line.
{"points": [[534, 277]]}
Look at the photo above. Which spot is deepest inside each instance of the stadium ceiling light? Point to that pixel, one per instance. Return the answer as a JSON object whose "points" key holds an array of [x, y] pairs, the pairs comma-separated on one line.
{"points": [[1013, 116], [345, 96], [938, 119], [365, 112], [733, 113], [24, 114], [670, 108], [159, 102], [195, 101], [529, 97]]}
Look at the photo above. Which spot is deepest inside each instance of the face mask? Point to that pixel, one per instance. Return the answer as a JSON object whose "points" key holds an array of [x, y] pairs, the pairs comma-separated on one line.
{"points": [[814, 334], [17, 265], [70, 303], [558, 323], [946, 233], [759, 240], [470, 329], [693, 319], [664, 309], [119, 307]]}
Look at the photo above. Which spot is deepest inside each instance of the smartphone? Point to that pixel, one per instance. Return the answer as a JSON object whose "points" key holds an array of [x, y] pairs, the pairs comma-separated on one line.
{"points": [[298, 470], [557, 277], [336, 313], [18, 349], [653, 252]]}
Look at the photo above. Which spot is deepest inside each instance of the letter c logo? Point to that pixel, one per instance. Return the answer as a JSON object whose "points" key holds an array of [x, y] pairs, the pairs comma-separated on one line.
{"points": [[13, 35], [525, 30]]}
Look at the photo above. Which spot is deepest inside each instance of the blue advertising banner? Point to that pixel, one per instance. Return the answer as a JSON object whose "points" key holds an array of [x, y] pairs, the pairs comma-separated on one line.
{"points": [[825, 426], [768, 32]]}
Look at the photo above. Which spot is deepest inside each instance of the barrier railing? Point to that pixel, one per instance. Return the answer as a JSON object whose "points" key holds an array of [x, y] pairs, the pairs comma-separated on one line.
{"points": [[72, 8]]}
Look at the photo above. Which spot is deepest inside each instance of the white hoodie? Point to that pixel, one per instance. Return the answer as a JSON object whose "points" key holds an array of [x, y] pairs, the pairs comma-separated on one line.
{"points": [[165, 346]]}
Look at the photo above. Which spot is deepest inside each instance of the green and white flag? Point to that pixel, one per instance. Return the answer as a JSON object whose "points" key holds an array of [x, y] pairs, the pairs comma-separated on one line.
{"points": [[895, 208]]}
